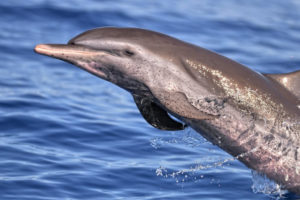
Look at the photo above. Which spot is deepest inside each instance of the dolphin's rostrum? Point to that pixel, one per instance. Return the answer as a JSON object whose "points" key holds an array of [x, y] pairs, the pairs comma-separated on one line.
{"points": [[252, 116]]}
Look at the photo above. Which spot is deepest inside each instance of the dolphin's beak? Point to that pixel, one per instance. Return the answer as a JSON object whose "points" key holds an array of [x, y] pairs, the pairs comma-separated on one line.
{"points": [[81, 56], [66, 52]]}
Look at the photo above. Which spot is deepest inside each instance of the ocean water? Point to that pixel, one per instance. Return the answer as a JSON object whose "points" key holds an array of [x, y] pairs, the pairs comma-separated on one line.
{"points": [[65, 134]]}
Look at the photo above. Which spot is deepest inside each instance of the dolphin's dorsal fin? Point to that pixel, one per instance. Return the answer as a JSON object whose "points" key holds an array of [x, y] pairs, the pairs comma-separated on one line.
{"points": [[291, 81], [155, 115]]}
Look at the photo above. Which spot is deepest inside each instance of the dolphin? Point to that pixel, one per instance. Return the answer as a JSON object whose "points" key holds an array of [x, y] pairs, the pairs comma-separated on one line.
{"points": [[252, 116]]}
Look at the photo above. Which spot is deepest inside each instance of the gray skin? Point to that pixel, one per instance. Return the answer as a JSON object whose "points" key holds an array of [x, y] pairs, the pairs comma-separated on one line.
{"points": [[253, 117]]}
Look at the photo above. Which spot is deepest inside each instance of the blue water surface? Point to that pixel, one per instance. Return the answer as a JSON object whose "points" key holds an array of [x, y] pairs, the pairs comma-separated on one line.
{"points": [[65, 134]]}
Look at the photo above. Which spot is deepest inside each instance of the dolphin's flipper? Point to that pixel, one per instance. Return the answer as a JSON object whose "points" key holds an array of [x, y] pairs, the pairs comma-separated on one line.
{"points": [[290, 81], [155, 115], [185, 108]]}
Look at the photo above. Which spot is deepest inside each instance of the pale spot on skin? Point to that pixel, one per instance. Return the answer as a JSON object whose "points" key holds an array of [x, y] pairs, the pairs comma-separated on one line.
{"points": [[285, 80], [171, 86], [286, 177]]}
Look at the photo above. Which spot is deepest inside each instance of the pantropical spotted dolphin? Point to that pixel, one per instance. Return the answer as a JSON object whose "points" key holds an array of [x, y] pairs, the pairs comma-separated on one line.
{"points": [[253, 116]]}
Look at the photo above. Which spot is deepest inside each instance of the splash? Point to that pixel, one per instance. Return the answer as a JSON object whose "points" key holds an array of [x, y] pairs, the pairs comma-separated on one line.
{"points": [[195, 172], [189, 139], [261, 184], [161, 171]]}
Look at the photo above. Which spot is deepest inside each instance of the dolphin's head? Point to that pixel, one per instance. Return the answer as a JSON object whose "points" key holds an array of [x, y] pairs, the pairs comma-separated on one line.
{"points": [[123, 56]]}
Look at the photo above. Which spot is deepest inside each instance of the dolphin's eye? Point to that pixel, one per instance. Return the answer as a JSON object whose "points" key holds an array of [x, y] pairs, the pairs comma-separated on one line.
{"points": [[128, 53], [71, 42]]}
